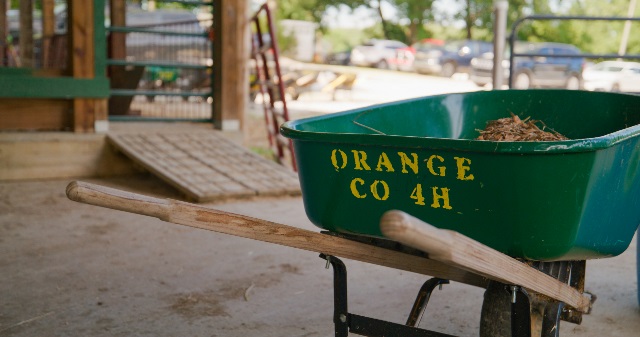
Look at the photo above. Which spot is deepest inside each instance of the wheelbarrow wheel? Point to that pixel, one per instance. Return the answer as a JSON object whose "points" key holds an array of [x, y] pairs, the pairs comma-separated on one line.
{"points": [[495, 318]]}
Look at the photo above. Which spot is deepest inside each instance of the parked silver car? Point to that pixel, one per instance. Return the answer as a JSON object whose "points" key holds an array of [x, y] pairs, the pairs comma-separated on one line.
{"points": [[375, 53], [613, 76]]}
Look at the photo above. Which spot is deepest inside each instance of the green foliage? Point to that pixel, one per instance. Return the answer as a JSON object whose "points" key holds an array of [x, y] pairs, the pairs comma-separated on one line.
{"points": [[602, 36], [287, 42], [417, 13], [417, 19], [397, 32], [342, 39]]}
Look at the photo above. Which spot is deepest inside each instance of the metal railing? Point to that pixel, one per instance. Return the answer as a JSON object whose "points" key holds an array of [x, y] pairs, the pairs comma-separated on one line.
{"points": [[169, 70]]}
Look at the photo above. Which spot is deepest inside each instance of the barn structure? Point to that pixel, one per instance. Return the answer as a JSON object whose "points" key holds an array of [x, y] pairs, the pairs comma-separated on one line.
{"points": [[71, 69], [59, 59]]}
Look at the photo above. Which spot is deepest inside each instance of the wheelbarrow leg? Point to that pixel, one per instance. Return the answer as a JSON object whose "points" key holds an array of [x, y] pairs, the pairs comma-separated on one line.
{"points": [[340, 307], [423, 299], [551, 319], [346, 322], [520, 313]]}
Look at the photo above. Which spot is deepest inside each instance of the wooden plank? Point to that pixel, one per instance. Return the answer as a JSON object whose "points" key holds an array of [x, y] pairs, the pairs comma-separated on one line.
{"points": [[81, 41], [56, 155], [26, 34], [458, 250], [86, 111], [118, 41], [82, 52], [257, 229], [234, 56], [217, 67], [205, 166], [48, 30], [35, 114], [3, 32]]}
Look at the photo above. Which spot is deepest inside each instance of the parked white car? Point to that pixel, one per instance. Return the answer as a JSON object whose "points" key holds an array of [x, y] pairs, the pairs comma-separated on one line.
{"points": [[612, 76], [375, 53]]}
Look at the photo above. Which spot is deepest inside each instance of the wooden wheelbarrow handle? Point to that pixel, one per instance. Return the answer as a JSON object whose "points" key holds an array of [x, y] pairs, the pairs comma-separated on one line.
{"points": [[455, 249], [243, 226]]}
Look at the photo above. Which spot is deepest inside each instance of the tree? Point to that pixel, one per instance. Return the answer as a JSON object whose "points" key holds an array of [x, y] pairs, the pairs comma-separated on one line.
{"points": [[603, 37], [417, 13], [478, 14]]}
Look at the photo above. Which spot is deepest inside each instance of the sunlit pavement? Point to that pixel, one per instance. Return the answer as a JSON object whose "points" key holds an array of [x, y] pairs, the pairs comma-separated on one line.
{"points": [[372, 86]]}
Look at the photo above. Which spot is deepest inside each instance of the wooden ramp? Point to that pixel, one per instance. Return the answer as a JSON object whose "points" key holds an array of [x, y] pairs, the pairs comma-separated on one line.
{"points": [[206, 166]]}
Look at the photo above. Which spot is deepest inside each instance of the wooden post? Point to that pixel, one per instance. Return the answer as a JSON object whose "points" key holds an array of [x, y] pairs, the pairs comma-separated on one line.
{"points": [[82, 56], [48, 30], [3, 33], [26, 33], [118, 41], [82, 38], [230, 89]]}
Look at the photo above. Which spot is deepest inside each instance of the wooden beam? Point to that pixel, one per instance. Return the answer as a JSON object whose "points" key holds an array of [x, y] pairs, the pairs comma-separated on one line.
{"points": [[83, 57], [234, 55], [216, 54], [82, 38], [86, 112], [3, 32], [26, 33], [118, 41], [48, 30], [35, 114], [56, 155], [191, 215], [455, 249]]}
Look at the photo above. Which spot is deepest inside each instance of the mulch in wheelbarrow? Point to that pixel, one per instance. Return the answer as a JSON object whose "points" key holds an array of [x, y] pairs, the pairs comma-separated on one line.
{"points": [[514, 129]]}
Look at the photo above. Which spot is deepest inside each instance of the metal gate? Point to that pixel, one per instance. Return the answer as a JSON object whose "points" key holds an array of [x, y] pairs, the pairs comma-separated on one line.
{"points": [[160, 65]]}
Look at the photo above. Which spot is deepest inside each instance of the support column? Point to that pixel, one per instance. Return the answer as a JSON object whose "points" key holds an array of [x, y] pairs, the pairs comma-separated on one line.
{"points": [[231, 54], [117, 41], [3, 33], [87, 112], [48, 30], [26, 34]]}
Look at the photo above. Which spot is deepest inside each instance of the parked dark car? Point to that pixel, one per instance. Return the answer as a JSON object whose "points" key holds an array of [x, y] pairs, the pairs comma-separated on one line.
{"points": [[535, 71], [341, 58], [453, 57]]}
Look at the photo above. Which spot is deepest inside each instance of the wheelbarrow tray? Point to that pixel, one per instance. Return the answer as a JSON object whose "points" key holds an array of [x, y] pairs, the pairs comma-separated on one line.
{"points": [[564, 200]]}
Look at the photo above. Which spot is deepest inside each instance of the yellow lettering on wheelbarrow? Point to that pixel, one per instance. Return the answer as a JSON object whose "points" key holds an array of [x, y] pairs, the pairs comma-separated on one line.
{"points": [[334, 159], [443, 195], [385, 189], [417, 195], [375, 189], [462, 168], [407, 163], [354, 188], [404, 159], [441, 169], [360, 158], [383, 160]]}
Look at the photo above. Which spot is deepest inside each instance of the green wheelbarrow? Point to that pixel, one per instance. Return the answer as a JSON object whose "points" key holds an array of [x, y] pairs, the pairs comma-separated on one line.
{"points": [[405, 185], [547, 204], [543, 201]]}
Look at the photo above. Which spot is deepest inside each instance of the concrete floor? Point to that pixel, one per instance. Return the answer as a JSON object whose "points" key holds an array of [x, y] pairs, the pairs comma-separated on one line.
{"points": [[70, 269]]}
